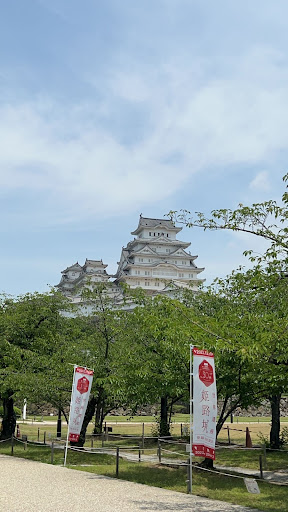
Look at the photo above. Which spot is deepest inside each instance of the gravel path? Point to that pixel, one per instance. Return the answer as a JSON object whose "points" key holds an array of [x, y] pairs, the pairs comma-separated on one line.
{"points": [[29, 486]]}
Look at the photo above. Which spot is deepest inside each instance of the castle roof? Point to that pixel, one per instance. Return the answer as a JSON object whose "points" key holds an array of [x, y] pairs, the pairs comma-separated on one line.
{"points": [[145, 222], [95, 263], [75, 266]]}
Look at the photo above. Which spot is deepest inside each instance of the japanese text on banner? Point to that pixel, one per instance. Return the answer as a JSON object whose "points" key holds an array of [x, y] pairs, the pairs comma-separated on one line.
{"points": [[80, 396], [204, 404]]}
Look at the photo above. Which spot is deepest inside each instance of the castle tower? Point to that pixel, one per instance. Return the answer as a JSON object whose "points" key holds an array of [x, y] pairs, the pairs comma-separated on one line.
{"points": [[77, 277], [156, 260]]}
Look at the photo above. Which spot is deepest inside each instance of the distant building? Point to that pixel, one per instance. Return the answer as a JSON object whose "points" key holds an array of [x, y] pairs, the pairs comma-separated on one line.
{"points": [[76, 277], [155, 260]]}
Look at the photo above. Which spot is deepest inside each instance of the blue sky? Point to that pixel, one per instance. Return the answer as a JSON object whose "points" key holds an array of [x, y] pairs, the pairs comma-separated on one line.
{"points": [[116, 108]]}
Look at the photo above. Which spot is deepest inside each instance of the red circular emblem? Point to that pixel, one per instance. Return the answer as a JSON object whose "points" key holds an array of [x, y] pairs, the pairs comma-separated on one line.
{"points": [[83, 385], [206, 374]]}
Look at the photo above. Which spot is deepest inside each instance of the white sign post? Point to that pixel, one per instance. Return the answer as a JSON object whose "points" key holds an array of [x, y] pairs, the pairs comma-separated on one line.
{"points": [[82, 382]]}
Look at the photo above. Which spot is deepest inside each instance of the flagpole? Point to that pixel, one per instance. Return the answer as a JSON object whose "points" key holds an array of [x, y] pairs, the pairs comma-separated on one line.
{"points": [[191, 419], [66, 446]]}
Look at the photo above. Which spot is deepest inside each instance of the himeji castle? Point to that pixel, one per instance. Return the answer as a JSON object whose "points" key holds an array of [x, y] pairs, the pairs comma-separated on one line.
{"points": [[155, 260]]}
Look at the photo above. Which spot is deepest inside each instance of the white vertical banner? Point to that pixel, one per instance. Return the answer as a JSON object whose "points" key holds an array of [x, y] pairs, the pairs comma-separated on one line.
{"points": [[82, 383], [204, 404], [24, 409]]}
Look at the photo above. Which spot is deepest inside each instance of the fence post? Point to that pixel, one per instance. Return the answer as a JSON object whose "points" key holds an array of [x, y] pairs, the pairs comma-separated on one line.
{"points": [[117, 461], [92, 441], [102, 438], [44, 438], [260, 466], [181, 429], [38, 436], [12, 445], [264, 457], [143, 431], [139, 453], [248, 438], [228, 432], [189, 490], [159, 450], [52, 452]]}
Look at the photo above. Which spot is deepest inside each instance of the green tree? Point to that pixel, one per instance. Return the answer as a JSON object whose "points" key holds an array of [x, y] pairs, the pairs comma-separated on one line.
{"points": [[267, 220], [100, 318], [153, 358], [30, 327], [239, 383], [260, 298]]}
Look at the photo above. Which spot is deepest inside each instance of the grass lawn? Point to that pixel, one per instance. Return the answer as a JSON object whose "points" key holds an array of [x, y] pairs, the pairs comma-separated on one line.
{"points": [[121, 426], [250, 459]]}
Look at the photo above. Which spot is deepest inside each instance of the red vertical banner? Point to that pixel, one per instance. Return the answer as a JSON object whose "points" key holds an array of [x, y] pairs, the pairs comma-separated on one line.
{"points": [[204, 404], [80, 395]]}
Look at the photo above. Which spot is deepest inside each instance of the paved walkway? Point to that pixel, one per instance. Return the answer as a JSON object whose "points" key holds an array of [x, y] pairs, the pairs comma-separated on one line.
{"points": [[29, 486]]}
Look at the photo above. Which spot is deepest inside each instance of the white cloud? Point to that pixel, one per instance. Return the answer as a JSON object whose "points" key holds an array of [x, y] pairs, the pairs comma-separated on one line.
{"points": [[261, 182], [84, 168]]}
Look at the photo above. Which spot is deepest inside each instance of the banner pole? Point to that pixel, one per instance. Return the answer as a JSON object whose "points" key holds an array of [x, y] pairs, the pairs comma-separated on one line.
{"points": [[66, 446], [191, 418]]}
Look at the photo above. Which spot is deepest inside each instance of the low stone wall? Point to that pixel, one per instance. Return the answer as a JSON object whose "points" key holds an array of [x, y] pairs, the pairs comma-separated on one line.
{"points": [[263, 409]]}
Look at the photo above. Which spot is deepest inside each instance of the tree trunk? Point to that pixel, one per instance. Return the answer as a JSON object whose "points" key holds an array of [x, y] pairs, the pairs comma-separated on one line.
{"points": [[99, 412], [9, 418], [59, 424], [164, 427], [275, 424], [206, 463]]}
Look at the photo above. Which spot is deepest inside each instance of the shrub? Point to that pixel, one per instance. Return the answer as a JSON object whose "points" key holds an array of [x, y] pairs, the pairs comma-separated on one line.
{"points": [[16, 410]]}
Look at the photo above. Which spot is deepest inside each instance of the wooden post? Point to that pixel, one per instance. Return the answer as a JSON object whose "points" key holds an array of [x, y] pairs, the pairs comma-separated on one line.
{"points": [[159, 450], [260, 466], [189, 490], [181, 429], [228, 432], [106, 431], [12, 445], [143, 432], [44, 438], [248, 439], [139, 453], [38, 436], [264, 457], [91, 441], [117, 461], [102, 438], [52, 452]]}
